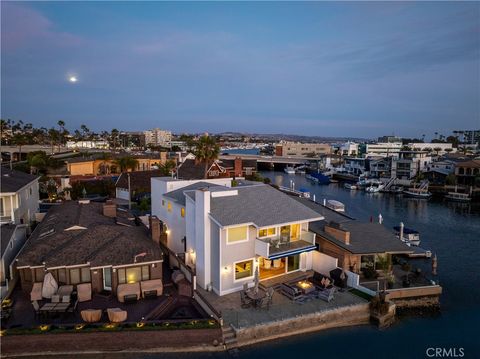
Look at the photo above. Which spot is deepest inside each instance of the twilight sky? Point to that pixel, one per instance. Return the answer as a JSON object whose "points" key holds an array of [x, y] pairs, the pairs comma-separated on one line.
{"points": [[313, 68]]}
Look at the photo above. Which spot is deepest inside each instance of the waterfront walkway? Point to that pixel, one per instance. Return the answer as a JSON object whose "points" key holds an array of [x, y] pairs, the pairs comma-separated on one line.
{"points": [[282, 308]]}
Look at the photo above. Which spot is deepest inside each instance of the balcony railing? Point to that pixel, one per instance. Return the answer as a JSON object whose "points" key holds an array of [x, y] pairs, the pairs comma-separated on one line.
{"points": [[280, 246]]}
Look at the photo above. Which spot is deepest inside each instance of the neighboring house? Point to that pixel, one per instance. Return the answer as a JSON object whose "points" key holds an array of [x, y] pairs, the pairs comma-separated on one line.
{"points": [[384, 149], [354, 165], [140, 184], [95, 165], [466, 171], [298, 149], [19, 197], [442, 147], [13, 239], [239, 167], [355, 244], [230, 232], [348, 149], [381, 168], [190, 169], [90, 243], [410, 163]]}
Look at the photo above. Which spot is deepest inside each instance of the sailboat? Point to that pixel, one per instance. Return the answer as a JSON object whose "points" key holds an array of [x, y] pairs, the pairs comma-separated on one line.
{"points": [[418, 192]]}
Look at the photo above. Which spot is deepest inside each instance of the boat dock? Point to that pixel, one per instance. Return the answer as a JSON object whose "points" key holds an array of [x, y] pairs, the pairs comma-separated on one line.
{"points": [[419, 253]]}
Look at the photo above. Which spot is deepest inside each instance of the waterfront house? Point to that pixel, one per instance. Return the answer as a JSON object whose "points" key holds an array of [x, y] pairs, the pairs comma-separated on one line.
{"points": [[82, 242], [355, 244], [19, 197], [98, 165], [466, 171], [410, 163], [13, 237], [191, 169], [225, 232]]}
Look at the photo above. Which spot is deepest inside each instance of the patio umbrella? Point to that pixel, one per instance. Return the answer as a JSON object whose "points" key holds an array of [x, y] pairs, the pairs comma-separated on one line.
{"points": [[256, 280], [50, 286]]}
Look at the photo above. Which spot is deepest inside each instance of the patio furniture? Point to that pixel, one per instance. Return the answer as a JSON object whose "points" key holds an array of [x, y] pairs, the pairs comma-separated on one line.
{"points": [[277, 263], [65, 290], [150, 294], [245, 301], [116, 315], [322, 281], [65, 299], [326, 294], [55, 298], [336, 275], [84, 292], [177, 276], [305, 286], [47, 308], [36, 307], [50, 286], [267, 264], [129, 290], [36, 293], [256, 298], [91, 315], [290, 292], [130, 298], [73, 308], [60, 308], [154, 287], [267, 301]]}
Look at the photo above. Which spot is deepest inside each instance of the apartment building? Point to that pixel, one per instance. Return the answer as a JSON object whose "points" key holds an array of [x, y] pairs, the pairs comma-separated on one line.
{"points": [[384, 149], [298, 149], [158, 137]]}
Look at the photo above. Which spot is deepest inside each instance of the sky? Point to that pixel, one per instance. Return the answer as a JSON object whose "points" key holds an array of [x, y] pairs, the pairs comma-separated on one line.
{"points": [[308, 68]]}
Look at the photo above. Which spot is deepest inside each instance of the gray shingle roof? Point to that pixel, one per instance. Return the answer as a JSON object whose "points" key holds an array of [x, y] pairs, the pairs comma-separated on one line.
{"points": [[260, 204], [179, 196], [12, 181]]}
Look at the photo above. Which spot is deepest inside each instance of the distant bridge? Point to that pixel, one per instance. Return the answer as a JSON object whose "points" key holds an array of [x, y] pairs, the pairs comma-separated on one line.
{"points": [[272, 159]]}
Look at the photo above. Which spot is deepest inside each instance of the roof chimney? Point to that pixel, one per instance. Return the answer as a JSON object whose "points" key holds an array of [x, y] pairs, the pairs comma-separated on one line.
{"points": [[336, 231], [155, 229], [238, 168]]}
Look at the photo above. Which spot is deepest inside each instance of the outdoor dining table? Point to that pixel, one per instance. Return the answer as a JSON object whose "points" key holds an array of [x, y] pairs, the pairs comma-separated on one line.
{"points": [[256, 297], [61, 307]]}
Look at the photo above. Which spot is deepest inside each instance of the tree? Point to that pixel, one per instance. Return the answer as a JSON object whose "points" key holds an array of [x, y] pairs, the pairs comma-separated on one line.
{"points": [[126, 163], [38, 161], [105, 157], [114, 137], [54, 137], [85, 132], [19, 140], [61, 125], [448, 150], [167, 167], [453, 140], [450, 179], [206, 151], [437, 149]]}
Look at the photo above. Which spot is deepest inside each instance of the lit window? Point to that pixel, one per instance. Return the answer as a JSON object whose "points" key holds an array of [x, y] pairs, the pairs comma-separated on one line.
{"points": [[267, 232], [182, 212], [244, 269], [169, 206], [237, 234]]}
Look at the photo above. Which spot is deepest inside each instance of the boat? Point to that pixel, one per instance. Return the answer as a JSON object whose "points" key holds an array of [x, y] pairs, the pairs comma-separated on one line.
{"points": [[335, 205], [418, 192], [459, 197], [300, 171], [289, 170], [407, 235], [374, 188], [396, 189], [304, 193], [318, 177], [350, 186]]}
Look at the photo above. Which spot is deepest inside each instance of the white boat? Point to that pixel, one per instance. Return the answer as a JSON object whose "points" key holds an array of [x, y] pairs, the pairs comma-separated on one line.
{"points": [[459, 197], [300, 171], [350, 186], [289, 170], [335, 205], [408, 235], [417, 193], [374, 188]]}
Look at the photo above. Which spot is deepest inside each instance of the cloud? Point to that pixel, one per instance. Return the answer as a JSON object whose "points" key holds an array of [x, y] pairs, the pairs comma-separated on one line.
{"points": [[23, 27]]}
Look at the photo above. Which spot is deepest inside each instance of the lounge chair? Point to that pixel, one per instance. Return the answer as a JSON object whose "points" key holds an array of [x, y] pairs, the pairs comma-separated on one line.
{"points": [[65, 299], [65, 290], [326, 294], [36, 293], [322, 281], [291, 292], [55, 298], [116, 315], [84, 292]]}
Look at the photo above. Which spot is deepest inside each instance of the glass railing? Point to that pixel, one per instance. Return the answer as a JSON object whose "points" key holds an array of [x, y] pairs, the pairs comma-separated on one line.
{"points": [[265, 246]]}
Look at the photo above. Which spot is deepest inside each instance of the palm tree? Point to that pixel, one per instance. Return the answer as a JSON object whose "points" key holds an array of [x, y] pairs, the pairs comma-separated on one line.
{"points": [[448, 150], [85, 132], [206, 151], [19, 140], [61, 125], [167, 167], [104, 170], [437, 149], [114, 137], [54, 137], [126, 163]]}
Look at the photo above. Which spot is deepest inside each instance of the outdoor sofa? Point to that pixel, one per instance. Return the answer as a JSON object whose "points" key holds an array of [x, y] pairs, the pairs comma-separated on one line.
{"points": [[128, 290], [151, 286]]}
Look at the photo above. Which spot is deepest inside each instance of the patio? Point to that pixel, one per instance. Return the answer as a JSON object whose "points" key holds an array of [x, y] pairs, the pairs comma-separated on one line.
{"points": [[282, 307], [167, 306]]}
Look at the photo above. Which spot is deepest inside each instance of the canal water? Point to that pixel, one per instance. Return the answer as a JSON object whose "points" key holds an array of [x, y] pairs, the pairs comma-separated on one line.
{"points": [[452, 231]]}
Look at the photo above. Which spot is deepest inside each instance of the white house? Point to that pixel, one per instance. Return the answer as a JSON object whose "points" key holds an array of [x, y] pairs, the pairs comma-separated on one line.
{"points": [[227, 232], [384, 149], [19, 197], [442, 148]]}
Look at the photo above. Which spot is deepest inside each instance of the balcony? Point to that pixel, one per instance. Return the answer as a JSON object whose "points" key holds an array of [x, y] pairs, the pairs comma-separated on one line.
{"points": [[277, 247]]}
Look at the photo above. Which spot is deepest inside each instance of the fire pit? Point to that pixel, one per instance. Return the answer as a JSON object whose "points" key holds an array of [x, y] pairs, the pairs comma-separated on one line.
{"points": [[305, 286]]}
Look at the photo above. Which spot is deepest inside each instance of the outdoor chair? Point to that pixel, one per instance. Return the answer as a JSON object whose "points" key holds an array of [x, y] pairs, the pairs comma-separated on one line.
{"points": [[322, 281], [55, 298], [65, 290], [84, 292], [91, 315], [291, 292], [36, 307], [245, 301], [65, 299], [36, 293], [116, 315], [327, 294]]}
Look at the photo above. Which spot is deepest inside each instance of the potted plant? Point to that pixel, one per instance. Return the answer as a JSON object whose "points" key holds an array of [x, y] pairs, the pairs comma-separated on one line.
{"points": [[390, 281]]}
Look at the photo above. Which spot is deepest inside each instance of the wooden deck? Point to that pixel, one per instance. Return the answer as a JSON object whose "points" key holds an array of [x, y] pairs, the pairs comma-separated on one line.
{"points": [[289, 277]]}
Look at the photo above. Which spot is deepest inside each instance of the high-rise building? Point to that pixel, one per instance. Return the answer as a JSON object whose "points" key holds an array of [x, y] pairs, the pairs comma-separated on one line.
{"points": [[158, 137]]}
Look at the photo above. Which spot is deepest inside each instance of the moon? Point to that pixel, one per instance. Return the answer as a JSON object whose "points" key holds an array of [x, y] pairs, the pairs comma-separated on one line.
{"points": [[72, 79]]}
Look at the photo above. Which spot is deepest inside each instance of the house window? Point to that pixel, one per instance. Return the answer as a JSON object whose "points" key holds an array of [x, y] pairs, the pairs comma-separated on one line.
{"points": [[237, 234], [62, 275], [74, 276], [182, 212], [244, 269], [267, 232], [79, 275], [133, 274], [169, 206]]}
